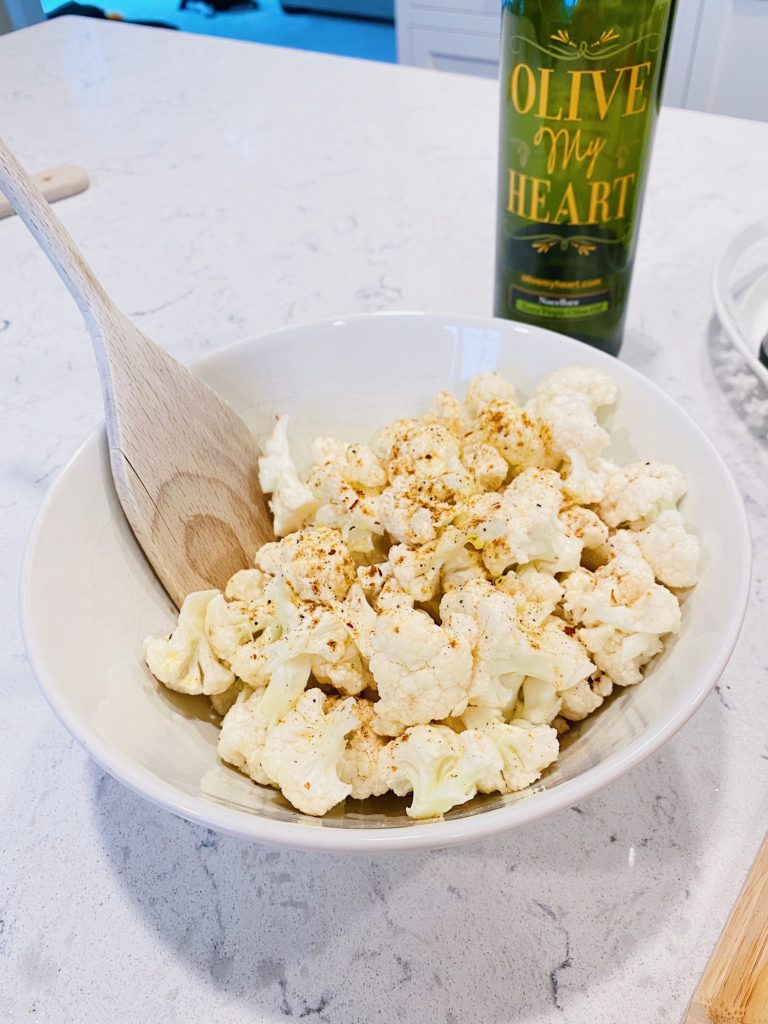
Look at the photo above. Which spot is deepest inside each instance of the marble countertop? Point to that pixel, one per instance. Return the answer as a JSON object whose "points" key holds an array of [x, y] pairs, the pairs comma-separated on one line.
{"points": [[235, 188]]}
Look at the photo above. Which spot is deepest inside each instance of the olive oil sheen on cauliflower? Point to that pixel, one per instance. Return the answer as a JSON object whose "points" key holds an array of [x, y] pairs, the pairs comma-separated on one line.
{"points": [[441, 603]]}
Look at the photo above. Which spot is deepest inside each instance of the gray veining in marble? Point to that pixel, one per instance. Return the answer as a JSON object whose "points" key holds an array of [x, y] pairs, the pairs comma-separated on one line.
{"points": [[236, 188]]}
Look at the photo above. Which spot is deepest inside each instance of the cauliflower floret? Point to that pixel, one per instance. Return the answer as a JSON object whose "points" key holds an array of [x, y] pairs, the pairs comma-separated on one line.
{"points": [[586, 526], [360, 620], [579, 701], [670, 550], [230, 624], [463, 565], [422, 671], [598, 388], [314, 561], [246, 724], [442, 768], [184, 660], [373, 577], [242, 736], [521, 525], [522, 437], [486, 387], [511, 642], [354, 463], [526, 749], [448, 410], [418, 570], [623, 594], [414, 510], [624, 611], [292, 503], [427, 478], [486, 464], [538, 702], [362, 767], [222, 702], [421, 448], [567, 401], [541, 591], [583, 479], [571, 423], [392, 598], [636, 494], [620, 656], [346, 479], [304, 752]]}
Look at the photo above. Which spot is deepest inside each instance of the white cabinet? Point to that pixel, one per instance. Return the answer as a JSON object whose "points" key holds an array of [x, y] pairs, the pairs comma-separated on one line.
{"points": [[718, 59]]}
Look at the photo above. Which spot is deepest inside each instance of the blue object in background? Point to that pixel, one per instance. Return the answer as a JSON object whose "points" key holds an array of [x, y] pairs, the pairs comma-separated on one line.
{"points": [[269, 23]]}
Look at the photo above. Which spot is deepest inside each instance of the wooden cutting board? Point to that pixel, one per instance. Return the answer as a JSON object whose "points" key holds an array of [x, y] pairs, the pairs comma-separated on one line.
{"points": [[734, 986]]}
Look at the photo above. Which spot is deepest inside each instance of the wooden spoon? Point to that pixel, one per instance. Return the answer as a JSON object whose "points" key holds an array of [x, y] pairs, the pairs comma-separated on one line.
{"points": [[184, 464]]}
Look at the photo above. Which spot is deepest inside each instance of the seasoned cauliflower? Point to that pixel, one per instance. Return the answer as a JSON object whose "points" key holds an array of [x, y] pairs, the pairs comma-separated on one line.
{"points": [[522, 525], [568, 401], [442, 604], [441, 768], [525, 749], [184, 660], [486, 387], [304, 752], [292, 503], [246, 724], [414, 510], [635, 495], [598, 388], [485, 464], [670, 550], [510, 644], [362, 767], [422, 671], [418, 569], [583, 478], [522, 437], [314, 562], [448, 410], [346, 480], [623, 612]]}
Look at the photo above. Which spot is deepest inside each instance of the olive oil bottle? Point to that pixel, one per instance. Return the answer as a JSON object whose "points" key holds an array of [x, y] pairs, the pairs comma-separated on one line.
{"points": [[580, 93]]}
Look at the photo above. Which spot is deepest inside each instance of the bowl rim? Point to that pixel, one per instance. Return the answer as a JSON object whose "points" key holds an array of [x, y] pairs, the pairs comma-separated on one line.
{"points": [[416, 835]]}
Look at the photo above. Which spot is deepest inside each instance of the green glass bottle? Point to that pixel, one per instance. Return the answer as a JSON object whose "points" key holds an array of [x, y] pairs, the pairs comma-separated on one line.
{"points": [[580, 93]]}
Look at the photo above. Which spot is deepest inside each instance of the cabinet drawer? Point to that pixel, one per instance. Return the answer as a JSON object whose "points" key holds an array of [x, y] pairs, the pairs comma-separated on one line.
{"points": [[462, 6], [445, 50]]}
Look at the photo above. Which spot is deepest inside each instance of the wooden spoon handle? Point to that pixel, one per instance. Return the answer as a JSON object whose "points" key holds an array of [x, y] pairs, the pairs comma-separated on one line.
{"points": [[734, 986], [57, 183], [54, 239]]}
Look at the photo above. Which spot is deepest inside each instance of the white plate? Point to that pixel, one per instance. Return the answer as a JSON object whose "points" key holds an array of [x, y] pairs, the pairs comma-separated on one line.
{"points": [[89, 597], [744, 313]]}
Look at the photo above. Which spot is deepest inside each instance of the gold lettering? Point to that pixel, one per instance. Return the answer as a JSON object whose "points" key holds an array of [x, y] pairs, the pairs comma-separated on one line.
{"points": [[623, 184], [539, 193], [575, 95], [516, 201], [530, 88], [565, 145], [568, 208], [545, 74], [636, 88], [599, 195], [598, 80]]}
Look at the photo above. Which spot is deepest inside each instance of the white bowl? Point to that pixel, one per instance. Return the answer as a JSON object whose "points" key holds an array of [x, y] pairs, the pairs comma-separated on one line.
{"points": [[89, 598]]}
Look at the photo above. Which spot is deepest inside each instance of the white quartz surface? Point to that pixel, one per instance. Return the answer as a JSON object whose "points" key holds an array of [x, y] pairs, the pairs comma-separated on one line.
{"points": [[236, 188]]}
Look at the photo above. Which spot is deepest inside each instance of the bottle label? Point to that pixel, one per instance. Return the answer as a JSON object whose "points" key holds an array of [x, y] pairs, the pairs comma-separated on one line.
{"points": [[579, 99], [559, 307], [580, 111]]}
